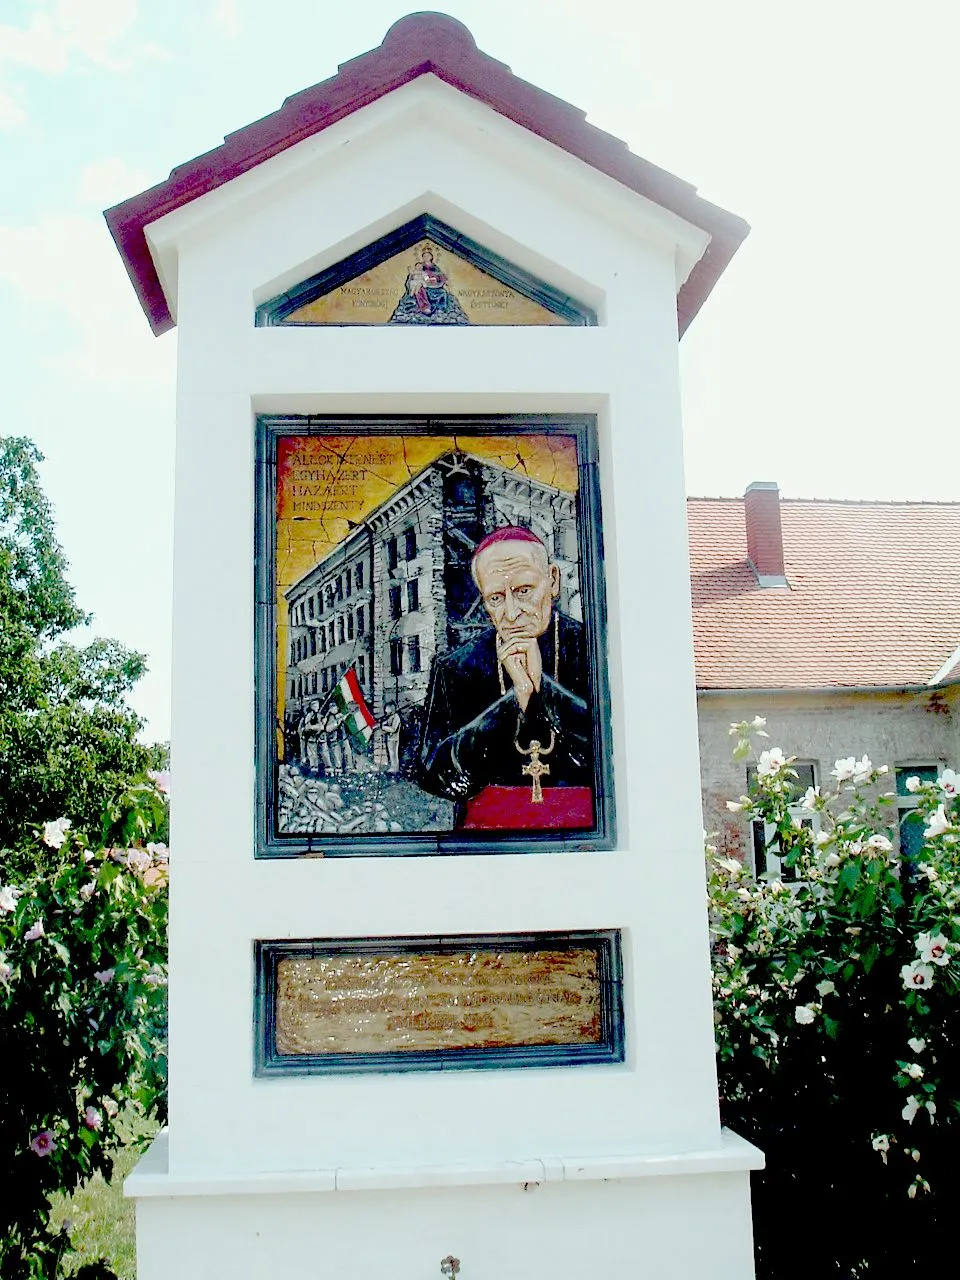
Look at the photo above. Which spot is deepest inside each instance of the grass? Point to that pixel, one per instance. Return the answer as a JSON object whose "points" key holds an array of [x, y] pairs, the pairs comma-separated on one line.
{"points": [[101, 1220]]}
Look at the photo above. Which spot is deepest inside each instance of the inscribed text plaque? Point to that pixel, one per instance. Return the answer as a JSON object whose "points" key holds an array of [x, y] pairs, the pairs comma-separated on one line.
{"points": [[401, 1004]]}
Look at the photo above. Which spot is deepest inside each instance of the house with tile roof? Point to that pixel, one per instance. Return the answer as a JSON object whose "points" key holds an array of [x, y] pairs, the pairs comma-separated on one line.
{"points": [[839, 622]]}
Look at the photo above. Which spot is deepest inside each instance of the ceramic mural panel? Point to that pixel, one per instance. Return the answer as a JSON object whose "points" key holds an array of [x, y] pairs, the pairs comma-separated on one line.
{"points": [[423, 275], [435, 629]]}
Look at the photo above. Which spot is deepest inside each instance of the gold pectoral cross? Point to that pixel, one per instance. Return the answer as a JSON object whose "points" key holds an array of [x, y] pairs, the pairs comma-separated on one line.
{"points": [[536, 769]]}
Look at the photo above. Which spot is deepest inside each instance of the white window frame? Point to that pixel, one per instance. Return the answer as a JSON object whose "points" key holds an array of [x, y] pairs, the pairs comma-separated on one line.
{"points": [[775, 868], [906, 804]]}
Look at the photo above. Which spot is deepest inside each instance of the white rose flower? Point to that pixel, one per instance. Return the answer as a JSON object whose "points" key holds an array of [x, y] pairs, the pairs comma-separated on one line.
{"points": [[735, 805], [862, 769], [770, 762], [843, 769], [8, 898], [810, 798], [909, 1112], [832, 859], [880, 842], [937, 824], [913, 1070], [912, 783], [917, 1045], [933, 948], [54, 833], [758, 722], [881, 1143], [804, 1014], [825, 988], [948, 783], [730, 865], [916, 975]]}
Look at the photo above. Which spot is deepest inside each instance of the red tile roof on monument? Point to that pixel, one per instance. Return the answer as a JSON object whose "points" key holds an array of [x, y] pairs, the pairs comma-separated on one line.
{"points": [[873, 598], [420, 44]]}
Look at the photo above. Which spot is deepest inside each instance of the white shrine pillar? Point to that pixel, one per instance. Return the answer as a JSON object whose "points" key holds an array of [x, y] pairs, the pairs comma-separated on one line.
{"points": [[561, 1167]]}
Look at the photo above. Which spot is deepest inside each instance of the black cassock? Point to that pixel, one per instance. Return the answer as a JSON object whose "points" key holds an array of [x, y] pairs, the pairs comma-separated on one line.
{"points": [[471, 731]]}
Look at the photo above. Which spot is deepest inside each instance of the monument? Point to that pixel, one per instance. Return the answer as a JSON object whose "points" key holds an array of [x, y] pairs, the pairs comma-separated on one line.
{"points": [[439, 970]]}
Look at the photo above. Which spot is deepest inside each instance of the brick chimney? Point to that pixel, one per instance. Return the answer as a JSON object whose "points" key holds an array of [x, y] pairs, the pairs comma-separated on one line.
{"points": [[761, 510]]}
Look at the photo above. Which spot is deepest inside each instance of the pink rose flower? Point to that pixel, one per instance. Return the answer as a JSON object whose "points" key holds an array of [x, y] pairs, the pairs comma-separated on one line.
{"points": [[34, 932], [92, 1118], [43, 1143]]}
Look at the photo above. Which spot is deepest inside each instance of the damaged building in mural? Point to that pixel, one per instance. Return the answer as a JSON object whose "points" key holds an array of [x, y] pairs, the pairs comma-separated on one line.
{"points": [[399, 588]]}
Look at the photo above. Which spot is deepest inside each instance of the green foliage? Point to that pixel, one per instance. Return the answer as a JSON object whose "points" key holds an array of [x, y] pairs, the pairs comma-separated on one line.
{"points": [[82, 1019], [68, 741], [837, 999]]}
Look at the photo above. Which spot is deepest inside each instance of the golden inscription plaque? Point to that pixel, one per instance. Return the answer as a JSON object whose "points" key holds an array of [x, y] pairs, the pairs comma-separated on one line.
{"points": [[467, 999], [431, 1003], [424, 285], [424, 274]]}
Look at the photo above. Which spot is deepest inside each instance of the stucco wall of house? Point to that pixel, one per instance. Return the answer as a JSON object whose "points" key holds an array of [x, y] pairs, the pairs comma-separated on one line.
{"points": [[891, 728]]}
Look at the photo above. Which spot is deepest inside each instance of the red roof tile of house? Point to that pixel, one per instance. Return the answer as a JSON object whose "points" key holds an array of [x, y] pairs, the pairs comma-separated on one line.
{"points": [[419, 44], [873, 598]]}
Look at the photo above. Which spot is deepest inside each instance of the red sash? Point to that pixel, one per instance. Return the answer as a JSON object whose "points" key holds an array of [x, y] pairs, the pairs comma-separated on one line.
{"points": [[511, 809]]}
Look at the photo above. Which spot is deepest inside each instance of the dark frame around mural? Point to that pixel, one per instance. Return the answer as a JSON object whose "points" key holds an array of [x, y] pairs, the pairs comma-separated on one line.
{"points": [[276, 310], [609, 1048], [271, 840]]}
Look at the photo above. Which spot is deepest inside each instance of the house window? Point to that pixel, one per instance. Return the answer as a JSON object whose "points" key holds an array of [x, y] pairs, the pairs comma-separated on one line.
{"points": [[391, 554], [333, 634], [323, 639], [413, 652], [396, 656], [313, 682], [340, 628], [293, 653], [293, 688], [395, 602], [910, 823], [325, 679], [362, 669], [358, 577], [766, 848], [413, 595], [349, 582], [339, 588], [299, 686], [409, 544], [310, 607], [328, 595], [361, 621], [349, 626], [313, 641]]}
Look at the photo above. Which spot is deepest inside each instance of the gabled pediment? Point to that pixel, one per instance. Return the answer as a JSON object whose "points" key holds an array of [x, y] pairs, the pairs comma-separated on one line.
{"points": [[421, 44], [423, 274]]}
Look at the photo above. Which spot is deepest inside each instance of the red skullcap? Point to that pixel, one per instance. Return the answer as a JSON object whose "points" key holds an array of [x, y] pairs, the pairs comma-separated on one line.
{"points": [[509, 533]]}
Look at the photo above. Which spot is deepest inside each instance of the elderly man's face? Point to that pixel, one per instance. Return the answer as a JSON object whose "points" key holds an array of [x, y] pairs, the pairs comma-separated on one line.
{"points": [[518, 587]]}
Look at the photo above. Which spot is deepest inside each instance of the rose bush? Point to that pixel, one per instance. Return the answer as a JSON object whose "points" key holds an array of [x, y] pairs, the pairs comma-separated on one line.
{"points": [[82, 1013], [837, 1004]]}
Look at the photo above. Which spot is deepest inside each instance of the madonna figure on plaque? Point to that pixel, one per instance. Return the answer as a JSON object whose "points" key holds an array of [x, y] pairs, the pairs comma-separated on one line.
{"points": [[508, 729], [426, 299]]}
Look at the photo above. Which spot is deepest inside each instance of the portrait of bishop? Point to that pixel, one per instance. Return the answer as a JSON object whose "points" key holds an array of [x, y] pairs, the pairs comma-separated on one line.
{"points": [[508, 727]]}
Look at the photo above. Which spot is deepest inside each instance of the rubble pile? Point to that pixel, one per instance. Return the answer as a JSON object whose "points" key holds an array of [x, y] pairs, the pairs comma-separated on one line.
{"points": [[313, 805]]}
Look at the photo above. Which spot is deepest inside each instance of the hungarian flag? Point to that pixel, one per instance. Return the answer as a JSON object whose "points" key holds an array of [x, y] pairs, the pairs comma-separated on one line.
{"points": [[348, 698]]}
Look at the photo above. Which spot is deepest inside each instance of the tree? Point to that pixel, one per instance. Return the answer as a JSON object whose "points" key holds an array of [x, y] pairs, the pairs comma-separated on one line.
{"points": [[837, 998], [68, 739]]}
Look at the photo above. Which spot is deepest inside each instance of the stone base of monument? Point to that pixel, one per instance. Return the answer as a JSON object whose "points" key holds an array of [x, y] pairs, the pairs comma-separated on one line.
{"points": [[660, 1216]]}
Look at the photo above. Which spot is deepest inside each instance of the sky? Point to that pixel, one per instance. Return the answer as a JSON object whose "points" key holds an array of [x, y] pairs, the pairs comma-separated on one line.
{"points": [[825, 359]]}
